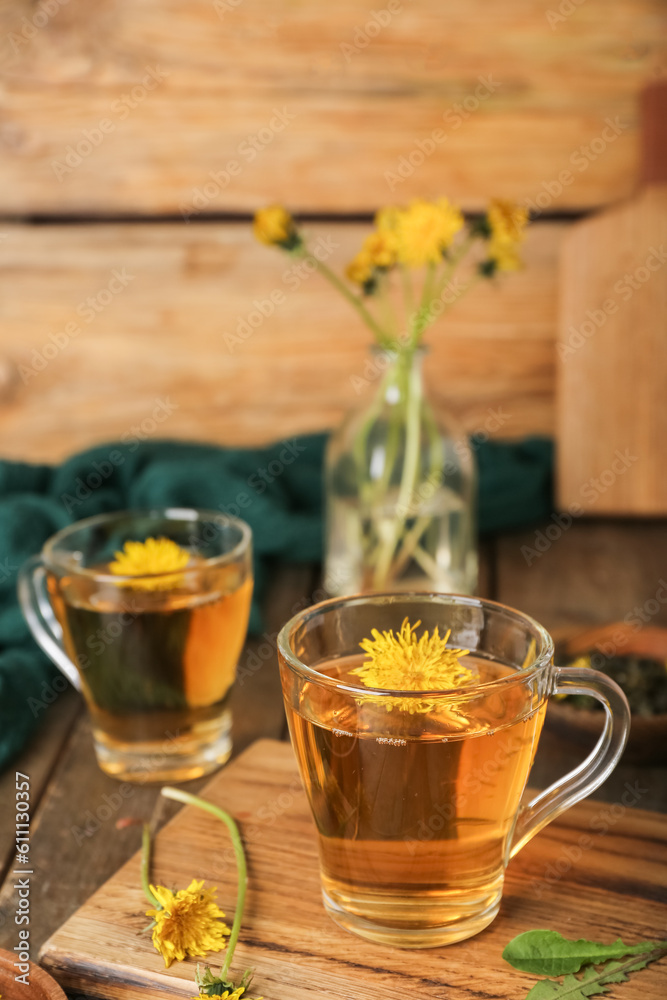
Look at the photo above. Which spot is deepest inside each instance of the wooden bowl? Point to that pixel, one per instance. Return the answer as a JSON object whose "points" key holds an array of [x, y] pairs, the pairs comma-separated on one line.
{"points": [[647, 743], [42, 986]]}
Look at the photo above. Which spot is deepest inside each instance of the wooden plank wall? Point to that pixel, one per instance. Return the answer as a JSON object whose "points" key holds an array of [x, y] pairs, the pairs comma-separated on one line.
{"points": [[187, 329], [533, 87], [126, 125]]}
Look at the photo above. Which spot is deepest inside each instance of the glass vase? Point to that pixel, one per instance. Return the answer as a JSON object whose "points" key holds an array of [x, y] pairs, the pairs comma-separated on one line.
{"points": [[400, 491]]}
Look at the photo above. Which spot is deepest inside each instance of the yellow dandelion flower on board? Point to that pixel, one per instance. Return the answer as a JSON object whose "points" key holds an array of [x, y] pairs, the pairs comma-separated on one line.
{"points": [[507, 222], [425, 229], [402, 662], [189, 922], [159, 558], [274, 226]]}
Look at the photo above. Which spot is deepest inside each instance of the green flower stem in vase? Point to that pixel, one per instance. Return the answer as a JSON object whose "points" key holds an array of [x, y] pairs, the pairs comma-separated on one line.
{"points": [[410, 418], [399, 492]]}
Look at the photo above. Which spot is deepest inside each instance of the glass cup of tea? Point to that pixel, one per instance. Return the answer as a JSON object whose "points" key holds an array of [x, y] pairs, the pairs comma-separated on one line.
{"points": [[146, 613], [415, 752]]}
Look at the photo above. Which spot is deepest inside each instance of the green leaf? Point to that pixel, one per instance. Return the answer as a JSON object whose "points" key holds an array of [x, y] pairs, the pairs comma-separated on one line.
{"points": [[616, 972], [570, 989], [592, 982], [548, 953]]}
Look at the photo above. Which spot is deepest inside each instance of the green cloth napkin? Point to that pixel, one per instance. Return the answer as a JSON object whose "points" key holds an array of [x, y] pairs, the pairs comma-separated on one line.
{"points": [[277, 490]]}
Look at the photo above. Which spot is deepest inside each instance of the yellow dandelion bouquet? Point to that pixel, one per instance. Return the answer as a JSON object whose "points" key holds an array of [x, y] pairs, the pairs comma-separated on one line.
{"points": [[400, 482]]}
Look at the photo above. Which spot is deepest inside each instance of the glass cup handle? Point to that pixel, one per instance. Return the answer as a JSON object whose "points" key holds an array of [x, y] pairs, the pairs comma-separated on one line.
{"points": [[596, 768], [37, 610]]}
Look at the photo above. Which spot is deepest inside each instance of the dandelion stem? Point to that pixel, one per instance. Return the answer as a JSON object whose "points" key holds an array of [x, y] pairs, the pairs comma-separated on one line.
{"points": [[408, 303], [388, 314], [353, 299], [145, 867], [451, 266], [422, 316], [193, 800], [410, 471]]}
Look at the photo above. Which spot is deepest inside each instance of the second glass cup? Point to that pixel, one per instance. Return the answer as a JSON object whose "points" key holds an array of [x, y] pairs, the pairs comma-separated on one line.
{"points": [[418, 794], [151, 639]]}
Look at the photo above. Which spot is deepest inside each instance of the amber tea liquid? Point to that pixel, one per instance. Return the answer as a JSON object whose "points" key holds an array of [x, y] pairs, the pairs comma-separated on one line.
{"points": [[414, 811], [156, 668]]}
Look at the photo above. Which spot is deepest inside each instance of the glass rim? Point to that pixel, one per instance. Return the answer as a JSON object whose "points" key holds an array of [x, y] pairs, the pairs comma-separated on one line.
{"points": [[193, 514], [541, 659]]}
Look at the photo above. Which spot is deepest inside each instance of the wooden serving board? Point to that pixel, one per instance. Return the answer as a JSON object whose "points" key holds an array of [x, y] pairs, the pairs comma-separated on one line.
{"points": [[600, 871]]}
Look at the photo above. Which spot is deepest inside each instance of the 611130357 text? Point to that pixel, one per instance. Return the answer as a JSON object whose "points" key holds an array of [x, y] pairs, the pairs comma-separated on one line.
{"points": [[22, 871]]}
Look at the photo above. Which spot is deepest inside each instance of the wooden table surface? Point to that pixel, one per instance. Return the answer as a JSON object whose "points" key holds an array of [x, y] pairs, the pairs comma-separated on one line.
{"points": [[597, 571]]}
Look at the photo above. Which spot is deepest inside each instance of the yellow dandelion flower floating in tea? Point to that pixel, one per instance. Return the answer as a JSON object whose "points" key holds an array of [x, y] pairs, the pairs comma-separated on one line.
{"points": [[152, 558], [188, 922], [402, 662]]}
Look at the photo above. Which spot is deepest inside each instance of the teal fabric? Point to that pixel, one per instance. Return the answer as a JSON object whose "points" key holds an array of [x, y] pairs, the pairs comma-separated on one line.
{"points": [[277, 490]]}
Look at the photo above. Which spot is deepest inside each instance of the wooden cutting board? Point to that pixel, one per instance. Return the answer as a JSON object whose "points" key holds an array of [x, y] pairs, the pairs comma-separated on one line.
{"points": [[612, 345], [613, 882]]}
